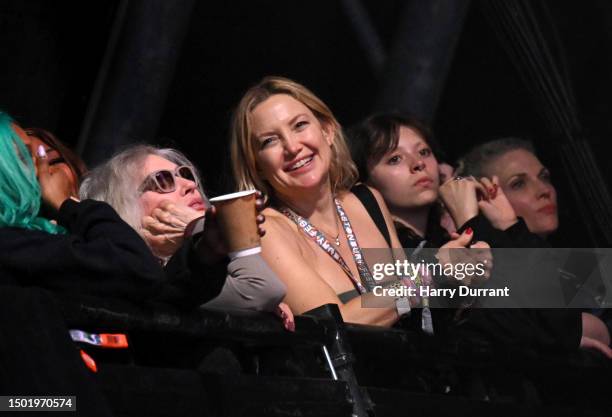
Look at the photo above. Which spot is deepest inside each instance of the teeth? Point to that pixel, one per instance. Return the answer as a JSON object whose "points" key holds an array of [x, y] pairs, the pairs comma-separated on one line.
{"points": [[300, 163]]}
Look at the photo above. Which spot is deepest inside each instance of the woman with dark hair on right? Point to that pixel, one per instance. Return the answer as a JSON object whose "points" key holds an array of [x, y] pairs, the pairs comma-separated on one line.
{"points": [[396, 154]]}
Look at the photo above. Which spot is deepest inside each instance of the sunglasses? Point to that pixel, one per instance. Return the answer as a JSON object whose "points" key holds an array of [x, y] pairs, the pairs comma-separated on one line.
{"points": [[162, 181]]}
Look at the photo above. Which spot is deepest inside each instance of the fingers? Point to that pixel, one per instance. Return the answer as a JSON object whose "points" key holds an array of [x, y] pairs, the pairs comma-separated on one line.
{"points": [[593, 344], [41, 162], [490, 187], [259, 201], [465, 238], [482, 254], [480, 245], [181, 213], [481, 191], [260, 221], [286, 315], [156, 227]]}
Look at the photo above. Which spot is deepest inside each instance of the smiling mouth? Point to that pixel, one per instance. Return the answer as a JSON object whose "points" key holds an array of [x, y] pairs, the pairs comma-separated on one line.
{"points": [[300, 163]]}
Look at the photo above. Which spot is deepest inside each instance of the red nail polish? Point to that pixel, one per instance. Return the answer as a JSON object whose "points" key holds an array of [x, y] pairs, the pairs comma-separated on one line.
{"points": [[469, 231]]}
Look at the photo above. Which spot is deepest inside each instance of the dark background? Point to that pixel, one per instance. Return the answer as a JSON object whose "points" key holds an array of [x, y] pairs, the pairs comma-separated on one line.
{"points": [[52, 52]]}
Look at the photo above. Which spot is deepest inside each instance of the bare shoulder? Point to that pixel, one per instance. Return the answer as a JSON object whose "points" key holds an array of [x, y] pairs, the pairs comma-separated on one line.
{"points": [[277, 219], [278, 227]]}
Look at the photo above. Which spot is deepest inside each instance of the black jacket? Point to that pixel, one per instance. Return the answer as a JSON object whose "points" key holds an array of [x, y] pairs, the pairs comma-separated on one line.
{"points": [[102, 256]]}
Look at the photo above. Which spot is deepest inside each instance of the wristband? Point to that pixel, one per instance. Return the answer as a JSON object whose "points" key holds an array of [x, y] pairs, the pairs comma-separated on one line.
{"points": [[244, 252]]}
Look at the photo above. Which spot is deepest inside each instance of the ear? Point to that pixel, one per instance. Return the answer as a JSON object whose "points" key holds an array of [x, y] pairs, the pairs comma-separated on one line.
{"points": [[328, 133]]}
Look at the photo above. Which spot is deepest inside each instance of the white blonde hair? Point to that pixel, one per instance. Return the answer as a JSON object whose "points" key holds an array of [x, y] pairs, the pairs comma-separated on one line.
{"points": [[117, 180]]}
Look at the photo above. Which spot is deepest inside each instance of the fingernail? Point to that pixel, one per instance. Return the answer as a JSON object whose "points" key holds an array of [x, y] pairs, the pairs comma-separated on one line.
{"points": [[469, 231], [41, 151], [290, 325]]}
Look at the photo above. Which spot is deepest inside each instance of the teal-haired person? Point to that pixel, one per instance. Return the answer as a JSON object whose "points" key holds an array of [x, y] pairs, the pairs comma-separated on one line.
{"points": [[86, 250]]}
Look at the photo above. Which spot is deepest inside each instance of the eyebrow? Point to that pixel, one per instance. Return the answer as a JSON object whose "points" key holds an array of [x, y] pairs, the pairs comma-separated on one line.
{"points": [[291, 121], [519, 175]]}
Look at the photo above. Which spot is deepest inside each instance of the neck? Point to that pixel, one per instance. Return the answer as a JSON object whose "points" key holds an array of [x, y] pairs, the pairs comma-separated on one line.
{"points": [[317, 206], [416, 219]]}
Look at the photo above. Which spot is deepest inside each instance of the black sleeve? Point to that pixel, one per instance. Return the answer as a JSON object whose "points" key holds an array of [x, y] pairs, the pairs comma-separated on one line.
{"points": [[190, 282], [101, 255], [523, 238], [516, 236], [484, 231]]}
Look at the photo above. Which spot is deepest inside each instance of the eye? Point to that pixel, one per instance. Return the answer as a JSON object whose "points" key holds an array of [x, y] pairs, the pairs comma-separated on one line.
{"points": [[56, 161], [517, 184], [394, 160], [301, 125], [267, 141], [425, 152], [545, 176]]}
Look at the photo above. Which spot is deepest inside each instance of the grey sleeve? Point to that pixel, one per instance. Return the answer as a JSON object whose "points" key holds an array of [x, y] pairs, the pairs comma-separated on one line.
{"points": [[250, 285]]}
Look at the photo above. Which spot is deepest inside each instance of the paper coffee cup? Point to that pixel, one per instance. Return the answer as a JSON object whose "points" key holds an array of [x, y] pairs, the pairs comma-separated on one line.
{"points": [[236, 217]]}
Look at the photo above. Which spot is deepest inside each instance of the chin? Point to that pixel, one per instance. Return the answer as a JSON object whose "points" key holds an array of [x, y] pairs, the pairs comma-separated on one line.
{"points": [[545, 230], [425, 198]]}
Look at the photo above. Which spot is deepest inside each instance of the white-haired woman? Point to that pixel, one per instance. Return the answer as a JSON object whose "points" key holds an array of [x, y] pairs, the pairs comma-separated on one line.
{"points": [[158, 192]]}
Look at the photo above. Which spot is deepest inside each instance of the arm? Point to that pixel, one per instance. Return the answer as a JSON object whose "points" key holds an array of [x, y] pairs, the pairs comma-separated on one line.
{"points": [[250, 285], [100, 256], [190, 281], [306, 289]]}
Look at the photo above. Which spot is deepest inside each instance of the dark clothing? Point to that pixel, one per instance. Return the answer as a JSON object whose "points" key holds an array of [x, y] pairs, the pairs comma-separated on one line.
{"points": [[189, 282], [557, 329], [100, 256], [516, 236], [554, 329]]}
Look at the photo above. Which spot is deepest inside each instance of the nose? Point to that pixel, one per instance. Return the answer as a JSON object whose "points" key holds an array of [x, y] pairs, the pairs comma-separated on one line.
{"points": [[543, 190], [416, 165], [292, 145], [185, 186]]}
